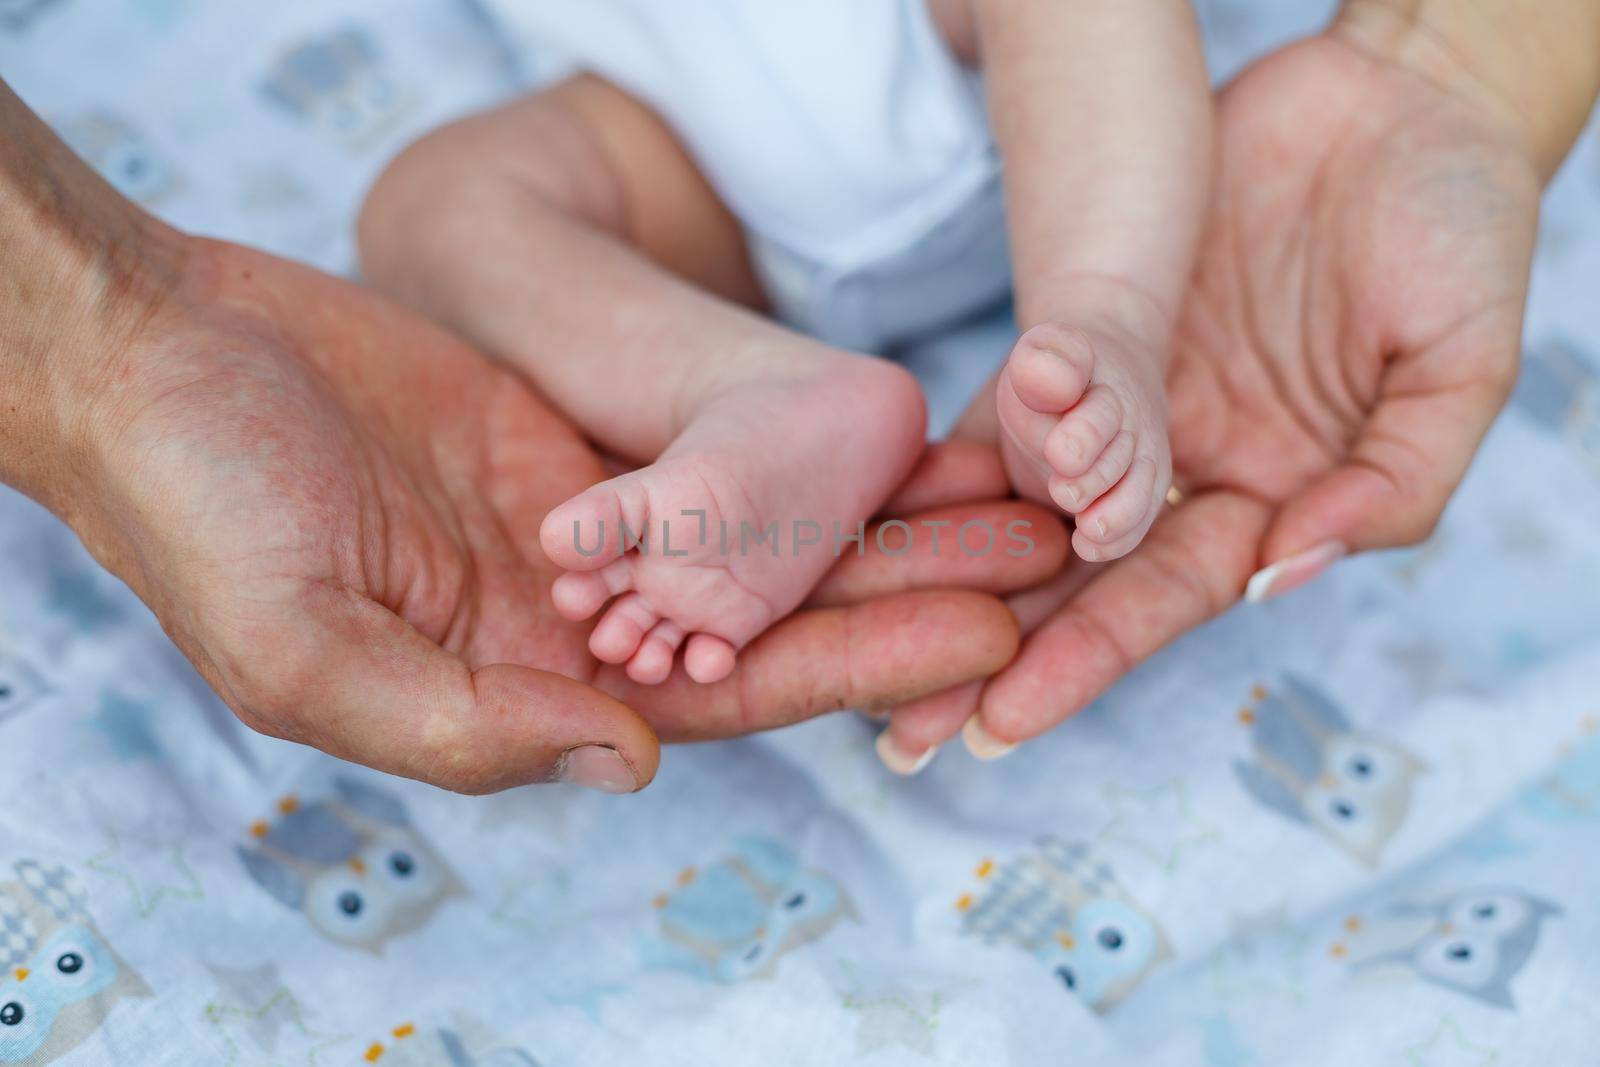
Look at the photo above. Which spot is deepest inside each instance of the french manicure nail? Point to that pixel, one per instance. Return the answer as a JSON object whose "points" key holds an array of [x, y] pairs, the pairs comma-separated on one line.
{"points": [[597, 767], [981, 743], [1291, 573], [897, 761]]}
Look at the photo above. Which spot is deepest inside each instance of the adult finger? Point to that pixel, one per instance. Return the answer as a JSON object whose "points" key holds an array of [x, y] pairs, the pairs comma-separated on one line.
{"points": [[1191, 567], [1435, 408], [951, 472], [355, 680], [996, 547], [917, 729], [877, 654]]}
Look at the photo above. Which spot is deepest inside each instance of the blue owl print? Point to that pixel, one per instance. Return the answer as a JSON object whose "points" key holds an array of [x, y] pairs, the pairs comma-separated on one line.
{"points": [[1559, 389], [733, 919], [17, 15], [1475, 943], [352, 864], [122, 155], [338, 83], [1064, 907], [408, 1046], [1311, 765], [59, 979], [22, 685]]}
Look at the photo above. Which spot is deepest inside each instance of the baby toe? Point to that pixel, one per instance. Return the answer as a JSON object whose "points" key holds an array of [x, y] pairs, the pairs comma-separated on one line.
{"points": [[708, 658], [1050, 367], [1074, 495], [1083, 433], [579, 594], [653, 662], [1119, 520], [617, 635]]}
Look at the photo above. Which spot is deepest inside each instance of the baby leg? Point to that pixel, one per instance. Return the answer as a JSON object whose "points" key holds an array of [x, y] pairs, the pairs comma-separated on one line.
{"points": [[571, 235]]}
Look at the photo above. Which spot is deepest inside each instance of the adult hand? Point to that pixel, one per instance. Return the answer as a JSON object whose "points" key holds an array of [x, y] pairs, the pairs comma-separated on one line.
{"points": [[1352, 331], [333, 508]]}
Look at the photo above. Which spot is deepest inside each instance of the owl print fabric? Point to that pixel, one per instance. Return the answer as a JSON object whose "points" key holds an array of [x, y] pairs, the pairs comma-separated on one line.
{"points": [[1357, 826]]}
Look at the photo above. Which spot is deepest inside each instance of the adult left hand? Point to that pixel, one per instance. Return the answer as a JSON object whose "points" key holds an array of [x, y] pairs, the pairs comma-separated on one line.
{"points": [[1352, 330]]}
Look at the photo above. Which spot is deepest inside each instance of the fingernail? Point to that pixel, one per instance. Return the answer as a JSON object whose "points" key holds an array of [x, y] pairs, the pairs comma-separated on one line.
{"points": [[875, 714], [897, 761], [982, 743], [1291, 573], [597, 767]]}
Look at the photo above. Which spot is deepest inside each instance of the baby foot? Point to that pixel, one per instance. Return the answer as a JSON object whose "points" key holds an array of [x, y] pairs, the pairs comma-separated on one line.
{"points": [[791, 454], [1084, 420]]}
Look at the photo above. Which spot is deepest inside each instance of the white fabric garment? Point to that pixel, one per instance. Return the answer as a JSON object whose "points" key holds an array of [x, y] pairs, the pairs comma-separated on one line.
{"points": [[846, 139]]}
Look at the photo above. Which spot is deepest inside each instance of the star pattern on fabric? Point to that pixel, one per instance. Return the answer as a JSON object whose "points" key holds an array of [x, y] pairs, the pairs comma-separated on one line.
{"points": [[1447, 1046], [259, 1020], [152, 877], [894, 1014], [1264, 956], [1157, 823]]}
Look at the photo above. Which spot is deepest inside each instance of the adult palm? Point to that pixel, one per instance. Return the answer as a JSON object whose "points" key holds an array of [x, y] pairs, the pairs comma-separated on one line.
{"points": [[1352, 330], [333, 508]]}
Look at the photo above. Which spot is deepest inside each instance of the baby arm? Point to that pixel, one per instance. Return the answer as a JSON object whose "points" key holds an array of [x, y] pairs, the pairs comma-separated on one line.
{"points": [[1102, 112]]}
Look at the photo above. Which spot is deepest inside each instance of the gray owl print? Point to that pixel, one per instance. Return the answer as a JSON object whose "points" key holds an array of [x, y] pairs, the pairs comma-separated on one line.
{"points": [[353, 865], [123, 156], [1311, 765], [338, 83], [1064, 907], [1476, 944], [59, 979], [1559, 389]]}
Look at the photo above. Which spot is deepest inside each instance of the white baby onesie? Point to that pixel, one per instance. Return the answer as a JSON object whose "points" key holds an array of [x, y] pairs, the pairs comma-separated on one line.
{"points": [[845, 137]]}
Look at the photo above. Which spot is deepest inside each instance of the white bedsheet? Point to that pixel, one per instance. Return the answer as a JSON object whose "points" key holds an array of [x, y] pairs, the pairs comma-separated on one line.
{"points": [[782, 899]]}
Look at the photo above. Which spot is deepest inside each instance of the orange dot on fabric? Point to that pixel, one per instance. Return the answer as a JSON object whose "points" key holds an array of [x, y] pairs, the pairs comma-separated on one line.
{"points": [[259, 828], [288, 804], [374, 1053], [964, 901], [985, 869], [1247, 716], [403, 1031], [686, 876]]}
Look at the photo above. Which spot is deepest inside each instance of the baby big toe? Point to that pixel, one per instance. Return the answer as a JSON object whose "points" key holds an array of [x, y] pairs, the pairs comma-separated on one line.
{"points": [[617, 635], [585, 533], [1074, 495], [1050, 367], [1083, 433]]}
